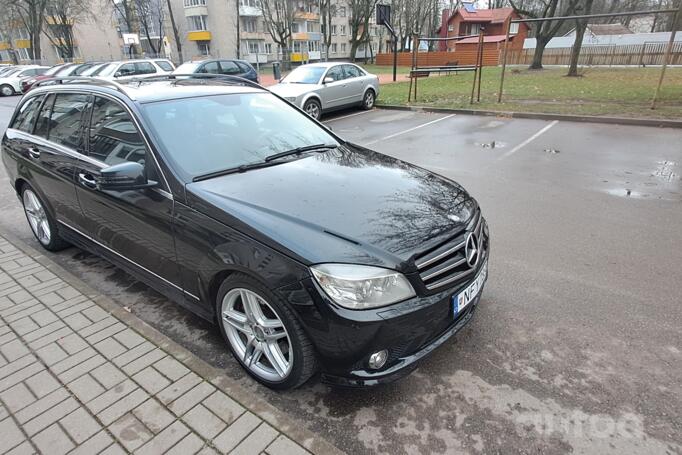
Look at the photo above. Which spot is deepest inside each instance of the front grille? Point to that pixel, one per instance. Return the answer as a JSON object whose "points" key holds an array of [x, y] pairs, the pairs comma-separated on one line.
{"points": [[446, 264]]}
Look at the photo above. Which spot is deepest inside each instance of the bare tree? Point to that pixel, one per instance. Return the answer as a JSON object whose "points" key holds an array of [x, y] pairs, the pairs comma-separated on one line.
{"points": [[545, 30], [151, 17], [580, 26], [327, 11], [176, 34], [278, 16], [361, 12], [60, 17], [7, 21], [125, 11], [31, 14]]}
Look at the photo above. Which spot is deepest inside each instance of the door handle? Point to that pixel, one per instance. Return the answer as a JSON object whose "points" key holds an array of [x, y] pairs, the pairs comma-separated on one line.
{"points": [[87, 180], [34, 153]]}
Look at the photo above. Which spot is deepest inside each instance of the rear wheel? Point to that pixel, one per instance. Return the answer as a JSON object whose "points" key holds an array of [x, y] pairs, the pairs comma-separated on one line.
{"points": [[313, 108], [41, 222], [368, 100], [263, 334], [6, 90]]}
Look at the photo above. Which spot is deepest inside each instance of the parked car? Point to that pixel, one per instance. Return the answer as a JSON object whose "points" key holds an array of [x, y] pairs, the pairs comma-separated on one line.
{"points": [[10, 82], [68, 69], [97, 68], [135, 68], [309, 252], [232, 67], [321, 87]]}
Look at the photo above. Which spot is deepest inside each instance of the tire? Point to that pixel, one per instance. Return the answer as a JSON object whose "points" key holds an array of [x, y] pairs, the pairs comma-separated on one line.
{"points": [[369, 99], [41, 222], [292, 352], [7, 90], [313, 108]]}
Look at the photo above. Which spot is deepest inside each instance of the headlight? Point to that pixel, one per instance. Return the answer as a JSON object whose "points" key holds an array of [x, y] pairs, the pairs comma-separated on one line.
{"points": [[359, 287]]}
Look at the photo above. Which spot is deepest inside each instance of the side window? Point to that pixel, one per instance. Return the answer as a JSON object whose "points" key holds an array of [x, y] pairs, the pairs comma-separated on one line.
{"points": [[351, 71], [66, 120], [27, 113], [113, 136], [210, 67], [335, 73], [43, 122], [244, 67], [164, 65], [127, 70], [228, 67], [144, 68]]}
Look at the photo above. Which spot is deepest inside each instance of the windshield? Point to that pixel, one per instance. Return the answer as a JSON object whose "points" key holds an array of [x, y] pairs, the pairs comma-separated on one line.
{"points": [[10, 73], [305, 75], [98, 69], [53, 70], [214, 133]]}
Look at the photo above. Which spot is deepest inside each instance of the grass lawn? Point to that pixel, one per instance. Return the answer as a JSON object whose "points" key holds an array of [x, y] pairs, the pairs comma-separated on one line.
{"points": [[620, 92]]}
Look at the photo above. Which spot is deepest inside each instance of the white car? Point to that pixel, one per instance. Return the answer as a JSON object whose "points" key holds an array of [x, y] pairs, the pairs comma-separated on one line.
{"points": [[10, 82], [322, 87], [134, 68]]}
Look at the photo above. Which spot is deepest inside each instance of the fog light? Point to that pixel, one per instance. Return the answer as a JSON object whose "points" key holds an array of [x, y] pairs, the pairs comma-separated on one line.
{"points": [[378, 359]]}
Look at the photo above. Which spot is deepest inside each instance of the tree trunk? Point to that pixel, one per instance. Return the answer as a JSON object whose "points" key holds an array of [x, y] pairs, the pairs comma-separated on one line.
{"points": [[176, 35], [540, 44], [580, 28]]}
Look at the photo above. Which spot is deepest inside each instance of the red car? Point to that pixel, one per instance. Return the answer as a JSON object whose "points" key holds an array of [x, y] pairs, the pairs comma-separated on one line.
{"points": [[65, 69]]}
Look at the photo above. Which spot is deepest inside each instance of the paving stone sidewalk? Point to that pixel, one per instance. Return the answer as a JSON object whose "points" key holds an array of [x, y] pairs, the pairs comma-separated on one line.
{"points": [[76, 379]]}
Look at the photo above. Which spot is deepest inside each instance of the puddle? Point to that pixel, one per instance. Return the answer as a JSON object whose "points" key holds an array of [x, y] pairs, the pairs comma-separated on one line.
{"points": [[492, 145]]}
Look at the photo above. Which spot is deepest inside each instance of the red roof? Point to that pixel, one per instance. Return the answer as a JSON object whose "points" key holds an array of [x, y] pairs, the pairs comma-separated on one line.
{"points": [[486, 39], [494, 16]]}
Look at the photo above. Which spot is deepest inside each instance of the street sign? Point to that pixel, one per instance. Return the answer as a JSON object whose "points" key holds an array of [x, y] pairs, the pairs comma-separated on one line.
{"points": [[383, 14]]}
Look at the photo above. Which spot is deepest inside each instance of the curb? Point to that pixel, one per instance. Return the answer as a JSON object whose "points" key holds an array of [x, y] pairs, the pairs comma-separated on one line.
{"points": [[658, 123], [282, 422]]}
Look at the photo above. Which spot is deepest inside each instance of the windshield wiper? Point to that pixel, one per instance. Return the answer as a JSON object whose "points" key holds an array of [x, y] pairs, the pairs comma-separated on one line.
{"points": [[306, 148], [233, 170]]}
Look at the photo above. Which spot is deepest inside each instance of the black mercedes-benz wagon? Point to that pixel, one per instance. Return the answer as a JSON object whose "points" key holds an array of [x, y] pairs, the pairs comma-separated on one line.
{"points": [[310, 253]]}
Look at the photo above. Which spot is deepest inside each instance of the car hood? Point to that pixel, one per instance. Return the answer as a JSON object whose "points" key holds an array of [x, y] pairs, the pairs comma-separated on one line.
{"points": [[293, 90], [346, 205]]}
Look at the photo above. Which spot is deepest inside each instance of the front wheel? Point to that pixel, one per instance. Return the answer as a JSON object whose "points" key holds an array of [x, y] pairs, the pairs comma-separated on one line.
{"points": [[313, 108], [263, 334], [6, 90], [368, 100]]}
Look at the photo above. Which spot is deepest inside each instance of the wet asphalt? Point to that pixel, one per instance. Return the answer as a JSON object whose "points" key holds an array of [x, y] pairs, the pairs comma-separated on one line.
{"points": [[577, 342]]}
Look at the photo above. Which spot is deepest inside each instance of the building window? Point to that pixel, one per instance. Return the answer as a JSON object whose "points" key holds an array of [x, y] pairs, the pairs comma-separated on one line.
{"points": [[514, 29], [22, 54], [197, 23], [333, 48], [343, 48], [342, 11], [295, 27], [343, 30], [250, 24], [204, 48], [22, 33], [253, 47], [474, 29], [251, 3], [334, 30], [451, 28], [190, 3]]}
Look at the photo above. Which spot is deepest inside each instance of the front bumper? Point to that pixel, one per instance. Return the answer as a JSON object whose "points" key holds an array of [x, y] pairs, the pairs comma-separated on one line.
{"points": [[344, 339]]}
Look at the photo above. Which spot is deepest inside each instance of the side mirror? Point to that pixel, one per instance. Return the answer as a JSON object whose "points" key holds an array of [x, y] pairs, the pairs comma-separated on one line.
{"points": [[328, 80], [124, 176], [118, 74]]}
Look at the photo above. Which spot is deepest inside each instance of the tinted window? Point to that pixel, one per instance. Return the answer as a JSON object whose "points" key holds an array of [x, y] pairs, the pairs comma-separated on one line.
{"points": [[27, 113], [245, 68], [126, 70], [228, 67], [212, 133], [144, 68], [164, 65], [210, 67], [352, 71], [335, 73], [43, 122], [113, 136], [66, 119]]}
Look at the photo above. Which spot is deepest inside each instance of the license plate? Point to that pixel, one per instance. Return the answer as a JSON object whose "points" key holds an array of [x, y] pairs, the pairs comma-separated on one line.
{"points": [[464, 298]]}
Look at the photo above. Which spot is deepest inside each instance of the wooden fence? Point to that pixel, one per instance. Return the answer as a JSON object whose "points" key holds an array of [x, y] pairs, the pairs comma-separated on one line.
{"points": [[464, 55], [610, 55]]}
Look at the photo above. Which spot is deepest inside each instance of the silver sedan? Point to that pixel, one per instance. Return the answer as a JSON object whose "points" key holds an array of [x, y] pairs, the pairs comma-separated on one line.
{"points": [[321, 87]]}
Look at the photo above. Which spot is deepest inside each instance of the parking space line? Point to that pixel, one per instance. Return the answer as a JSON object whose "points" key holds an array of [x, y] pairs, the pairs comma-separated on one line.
{"points": [[528, 141], [347, 116], [391, 136]]}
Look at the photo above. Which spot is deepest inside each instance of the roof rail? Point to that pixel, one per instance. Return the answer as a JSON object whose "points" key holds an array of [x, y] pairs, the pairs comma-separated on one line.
{"points": [[81, 80], [200, 76]]}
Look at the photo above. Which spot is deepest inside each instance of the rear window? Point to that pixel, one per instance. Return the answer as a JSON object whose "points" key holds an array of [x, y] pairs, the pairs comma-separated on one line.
{"points": [[229, 67], [27, 113], [164, 65], [66, 119]]}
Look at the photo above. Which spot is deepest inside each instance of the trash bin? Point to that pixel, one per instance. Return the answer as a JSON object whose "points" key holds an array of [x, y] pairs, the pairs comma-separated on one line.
{"points": [[276, 72]]}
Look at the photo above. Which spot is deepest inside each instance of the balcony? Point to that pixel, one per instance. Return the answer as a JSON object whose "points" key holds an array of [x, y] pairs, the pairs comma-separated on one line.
{"points": [[306, 16], [4, 46], [307, 36], [203, 35], [22, 43], [249, 11]]}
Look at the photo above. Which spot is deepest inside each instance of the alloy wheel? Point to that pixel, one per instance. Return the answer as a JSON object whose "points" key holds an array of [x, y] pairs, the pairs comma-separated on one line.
{"points": [[313, 110], [37, 217], [6, 90], [369, 100], [257, 334]]}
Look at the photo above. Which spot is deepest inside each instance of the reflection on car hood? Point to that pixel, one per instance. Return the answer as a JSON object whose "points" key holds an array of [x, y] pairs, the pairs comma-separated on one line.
{"points": [[289, 90], [345, 205]]}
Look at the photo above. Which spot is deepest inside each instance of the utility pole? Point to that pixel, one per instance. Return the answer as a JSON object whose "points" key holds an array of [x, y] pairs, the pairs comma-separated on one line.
{"points": [[239, 19]]}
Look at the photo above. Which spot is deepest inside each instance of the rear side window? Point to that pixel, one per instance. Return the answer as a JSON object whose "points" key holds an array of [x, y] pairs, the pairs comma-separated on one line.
{"points": [[164, 65], [126, 70], [351, 71], [113, 136], [66, 119], [27, 113], [210, 67], [244, 67], [43, 122], [228, 67], [144, 68]]}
